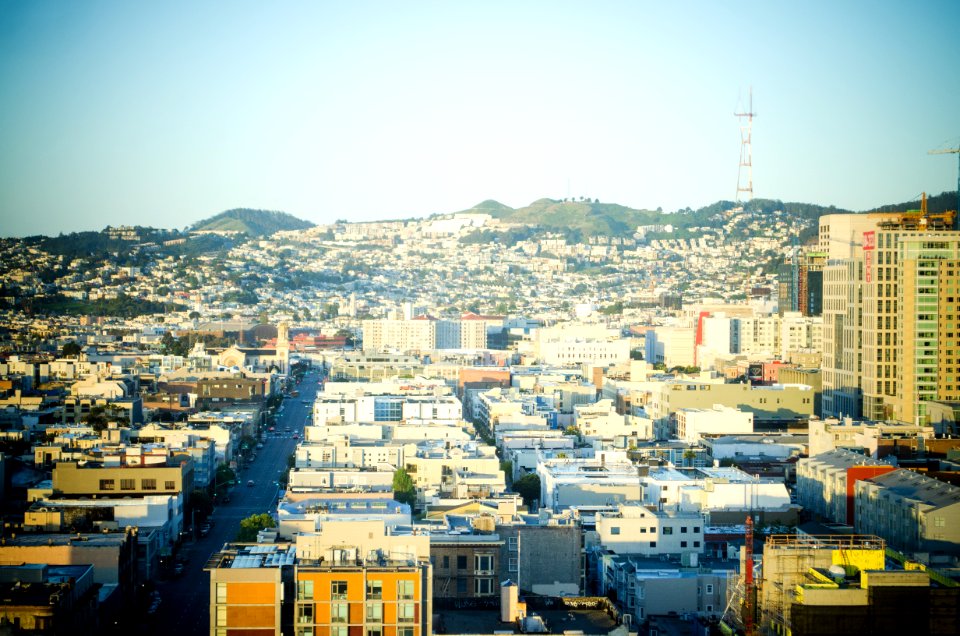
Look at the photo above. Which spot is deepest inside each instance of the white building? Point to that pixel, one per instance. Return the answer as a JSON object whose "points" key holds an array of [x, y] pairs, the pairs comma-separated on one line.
{"points": [[609, 478], [671, 346], [636, 529], [601, 421], [694, 423]]}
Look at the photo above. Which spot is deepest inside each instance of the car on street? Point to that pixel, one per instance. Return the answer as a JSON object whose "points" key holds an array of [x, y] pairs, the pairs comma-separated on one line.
{"points": [[251, 483]]}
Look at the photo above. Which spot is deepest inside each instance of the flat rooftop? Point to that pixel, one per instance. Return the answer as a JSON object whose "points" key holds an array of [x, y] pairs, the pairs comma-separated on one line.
{"points": [[487, 621]]}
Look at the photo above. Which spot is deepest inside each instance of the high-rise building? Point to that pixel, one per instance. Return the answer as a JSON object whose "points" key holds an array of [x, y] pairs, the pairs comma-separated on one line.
{"points": [[889, 314], [902, 316]]}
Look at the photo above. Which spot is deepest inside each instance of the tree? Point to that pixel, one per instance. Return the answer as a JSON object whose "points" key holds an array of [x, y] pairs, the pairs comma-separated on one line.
{"points": [[403, 489], [201, 502], [253, 524], [528, 487], [224, 476], [96, 418], [72, 350]]}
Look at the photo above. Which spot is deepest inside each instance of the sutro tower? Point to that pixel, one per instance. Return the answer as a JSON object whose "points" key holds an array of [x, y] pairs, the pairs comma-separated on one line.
{"points": [[746, 152]]}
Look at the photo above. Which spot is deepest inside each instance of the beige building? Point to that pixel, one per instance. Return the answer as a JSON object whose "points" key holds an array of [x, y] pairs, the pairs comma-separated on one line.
{"points": [[779, 403], [70, 479], [912, 512], [889, 314]]}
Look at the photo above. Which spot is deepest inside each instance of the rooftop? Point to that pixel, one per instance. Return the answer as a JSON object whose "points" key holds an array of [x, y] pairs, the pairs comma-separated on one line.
{"points": [[487, 621]]}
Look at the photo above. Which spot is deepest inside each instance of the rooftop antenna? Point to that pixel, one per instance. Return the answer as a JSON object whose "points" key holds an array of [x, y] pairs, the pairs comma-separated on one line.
{"points": [[746, 152], [953, 151]]}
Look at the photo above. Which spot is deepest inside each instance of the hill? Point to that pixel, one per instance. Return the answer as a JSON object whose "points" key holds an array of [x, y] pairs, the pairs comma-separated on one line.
{"points": [[575, 219], [938, 203], [251, 222]]}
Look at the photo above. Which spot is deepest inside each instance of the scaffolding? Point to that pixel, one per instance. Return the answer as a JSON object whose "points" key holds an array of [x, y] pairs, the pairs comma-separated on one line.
{"points": [[787, 559]]}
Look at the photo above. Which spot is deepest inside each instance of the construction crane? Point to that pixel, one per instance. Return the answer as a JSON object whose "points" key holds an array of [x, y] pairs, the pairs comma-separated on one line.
{"points": [[749, 587], [953, 151]]}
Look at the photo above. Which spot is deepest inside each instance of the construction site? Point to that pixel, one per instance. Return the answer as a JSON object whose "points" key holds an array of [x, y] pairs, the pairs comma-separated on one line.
{"points": [[838, 584]]}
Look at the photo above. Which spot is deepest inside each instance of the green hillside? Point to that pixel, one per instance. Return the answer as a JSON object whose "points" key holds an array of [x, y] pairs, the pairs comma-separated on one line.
{"points": [[575, 219], [251, 222]]}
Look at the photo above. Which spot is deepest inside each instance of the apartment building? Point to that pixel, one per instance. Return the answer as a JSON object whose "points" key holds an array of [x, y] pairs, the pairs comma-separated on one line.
{"points": [[912, 512], [466, 563], [889, 314], [638, 529], [831, 433], [826, 482], [381, 585]]}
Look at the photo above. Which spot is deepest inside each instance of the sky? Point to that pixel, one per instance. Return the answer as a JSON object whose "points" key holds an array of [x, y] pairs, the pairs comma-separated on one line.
{"points": [[165, 113]]}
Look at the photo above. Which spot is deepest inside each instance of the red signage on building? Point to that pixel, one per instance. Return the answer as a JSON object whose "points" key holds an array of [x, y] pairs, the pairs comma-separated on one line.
{"points": [[869, 244]]}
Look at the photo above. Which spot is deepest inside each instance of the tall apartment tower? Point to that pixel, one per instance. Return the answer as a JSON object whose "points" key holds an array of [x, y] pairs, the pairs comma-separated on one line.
{"points": [[890, 318]]}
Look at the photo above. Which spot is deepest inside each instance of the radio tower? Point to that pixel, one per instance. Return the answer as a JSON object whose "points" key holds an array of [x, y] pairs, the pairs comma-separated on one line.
{"points": [[746, 152]]}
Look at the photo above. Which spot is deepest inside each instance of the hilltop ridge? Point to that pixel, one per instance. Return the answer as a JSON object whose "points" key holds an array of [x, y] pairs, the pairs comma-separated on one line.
{"points": [[251, 222]]}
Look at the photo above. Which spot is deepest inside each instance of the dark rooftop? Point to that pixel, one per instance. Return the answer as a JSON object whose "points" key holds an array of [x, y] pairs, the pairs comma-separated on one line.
{"points": [[487, 621]]}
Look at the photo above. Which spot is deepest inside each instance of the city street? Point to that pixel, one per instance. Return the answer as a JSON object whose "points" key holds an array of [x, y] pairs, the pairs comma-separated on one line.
{"points": [[185, 601]]}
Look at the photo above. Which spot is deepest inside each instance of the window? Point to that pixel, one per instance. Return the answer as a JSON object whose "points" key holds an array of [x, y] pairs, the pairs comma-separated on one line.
{"points": [[446, 562], [128, 484], [304, 631], [404, 590], [683, 529], [221, 592], [221, 615], [148, 484], [614, 529], [667, 530], [338, 630], [696, 544], [374, 612], [338, 590], [709, 608], [375, 631], [483, 562], [696, 528], [304, 613], [462, 562], [107, 484], [169, 485], [683, 544], [374, 589], [653, 544], [709, 588], [514, 564], [405, 612], [338, 612], [513, 543], [461, 587], [483, 587], [305, 590], [404, 631]]}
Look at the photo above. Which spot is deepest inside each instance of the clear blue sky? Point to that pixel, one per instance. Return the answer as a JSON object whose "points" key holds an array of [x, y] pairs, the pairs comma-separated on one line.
{"points": [[164, 113]]}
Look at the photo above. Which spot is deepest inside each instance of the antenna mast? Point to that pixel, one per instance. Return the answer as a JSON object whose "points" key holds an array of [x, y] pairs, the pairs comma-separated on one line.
{"points": [[746, 152]]}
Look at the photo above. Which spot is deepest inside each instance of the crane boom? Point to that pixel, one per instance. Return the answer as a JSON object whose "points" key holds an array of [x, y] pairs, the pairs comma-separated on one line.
{"points": [[952, 151]]}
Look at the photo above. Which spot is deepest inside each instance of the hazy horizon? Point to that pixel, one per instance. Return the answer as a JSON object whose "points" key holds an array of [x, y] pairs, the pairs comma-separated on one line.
{"points": [[163, 115]]}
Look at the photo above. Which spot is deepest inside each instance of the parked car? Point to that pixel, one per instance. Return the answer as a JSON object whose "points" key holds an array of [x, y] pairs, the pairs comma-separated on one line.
{"points": [[250, 482]]}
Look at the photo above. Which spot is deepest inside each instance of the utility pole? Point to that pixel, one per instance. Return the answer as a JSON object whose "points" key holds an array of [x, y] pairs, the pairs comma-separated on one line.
{"points": [[953, 151], [746, 151]]}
